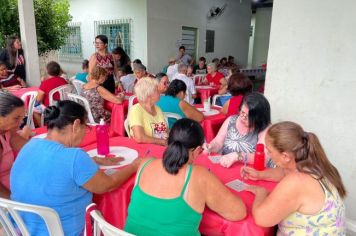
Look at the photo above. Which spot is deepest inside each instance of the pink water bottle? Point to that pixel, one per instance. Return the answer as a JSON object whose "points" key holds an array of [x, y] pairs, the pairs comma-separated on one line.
{"points": [[259, 162], [102, 138]]}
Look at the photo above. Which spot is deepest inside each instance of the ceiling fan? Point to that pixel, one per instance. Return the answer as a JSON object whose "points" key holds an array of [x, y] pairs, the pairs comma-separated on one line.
{"points": [[215, 12]]}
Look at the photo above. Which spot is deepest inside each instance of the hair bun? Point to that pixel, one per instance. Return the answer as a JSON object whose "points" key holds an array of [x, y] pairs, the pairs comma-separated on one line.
{"points": [[51, 113]]}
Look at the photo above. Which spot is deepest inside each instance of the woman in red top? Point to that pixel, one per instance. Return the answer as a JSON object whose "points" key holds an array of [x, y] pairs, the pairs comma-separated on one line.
{"points": [[213, 77], [104, 59], [238, 86]]}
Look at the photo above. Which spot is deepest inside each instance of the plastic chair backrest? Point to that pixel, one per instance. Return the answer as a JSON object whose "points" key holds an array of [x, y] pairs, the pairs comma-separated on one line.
{"points": [[198, 79], [171, 115], [29, 99], [215, 97], [9, 213], [62, 91], [100, 226], [78, 85], [127, 127], [83, 101], [132, 101]]}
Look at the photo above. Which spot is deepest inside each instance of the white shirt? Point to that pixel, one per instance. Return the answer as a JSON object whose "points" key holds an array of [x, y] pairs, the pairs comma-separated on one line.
{"points": [[127, 82], [171, 71], [190, 87]]}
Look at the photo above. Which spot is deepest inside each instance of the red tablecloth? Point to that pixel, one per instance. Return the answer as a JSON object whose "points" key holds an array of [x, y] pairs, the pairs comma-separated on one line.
{"points": [[213, 224], [89, 138], [20, 92], [114, 204], [211, 124], [204, 93]]}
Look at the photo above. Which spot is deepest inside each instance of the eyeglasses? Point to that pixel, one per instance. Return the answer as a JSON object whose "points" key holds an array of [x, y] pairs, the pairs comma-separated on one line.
{"points": [[243, 114]]}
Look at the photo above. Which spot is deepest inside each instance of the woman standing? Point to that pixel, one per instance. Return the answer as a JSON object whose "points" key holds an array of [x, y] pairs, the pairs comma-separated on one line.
{"points": [[308, 200], [102, 58], [14, 58]]}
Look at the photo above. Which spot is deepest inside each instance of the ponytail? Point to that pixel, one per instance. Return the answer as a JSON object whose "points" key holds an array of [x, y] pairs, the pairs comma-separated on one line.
{"points": [[174, 157]]}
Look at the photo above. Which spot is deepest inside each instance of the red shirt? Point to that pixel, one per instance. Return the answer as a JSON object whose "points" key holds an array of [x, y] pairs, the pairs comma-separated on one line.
{"points": [[216, 79], [49, 84]]}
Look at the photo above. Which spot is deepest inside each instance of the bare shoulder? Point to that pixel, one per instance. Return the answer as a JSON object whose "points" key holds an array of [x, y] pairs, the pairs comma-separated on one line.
{"points": [[296, 179]]}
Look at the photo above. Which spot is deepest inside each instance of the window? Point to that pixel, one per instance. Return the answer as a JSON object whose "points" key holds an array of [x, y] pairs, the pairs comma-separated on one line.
{"points": [[189, 40], [118, 32], [73, 44], [210, 39]]}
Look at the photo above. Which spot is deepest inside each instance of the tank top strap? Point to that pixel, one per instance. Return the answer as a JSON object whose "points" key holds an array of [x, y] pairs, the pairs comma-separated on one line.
{"points": [[140, 171], [187, 178]]}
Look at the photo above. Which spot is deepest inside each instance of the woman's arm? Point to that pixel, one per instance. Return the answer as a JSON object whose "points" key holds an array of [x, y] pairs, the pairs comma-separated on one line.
{"points": [[22, 82], [140, 136], [109, 96], [269, 174], [4, 192], [92, 62], [40, 96], [225, 108], [101, 183], [190, 111], [16, 141], [270, 209], [217, 143], [221, 200]]}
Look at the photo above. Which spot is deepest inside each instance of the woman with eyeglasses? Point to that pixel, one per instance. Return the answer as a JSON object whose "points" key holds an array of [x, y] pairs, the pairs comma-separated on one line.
{"points": [[55, 173], [174, 102], [170, 195], [240, 133], [308, 199], [102, 58]]}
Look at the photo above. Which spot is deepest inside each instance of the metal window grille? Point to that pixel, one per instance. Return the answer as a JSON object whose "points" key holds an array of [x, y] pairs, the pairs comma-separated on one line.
{"points": [[118, 31], [73, 44], [189, 40]]}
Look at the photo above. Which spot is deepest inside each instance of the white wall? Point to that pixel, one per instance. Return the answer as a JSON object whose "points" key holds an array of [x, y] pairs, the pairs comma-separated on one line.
{"points": [[311, 77], [261, 38], [88, 11], [166, 18]]}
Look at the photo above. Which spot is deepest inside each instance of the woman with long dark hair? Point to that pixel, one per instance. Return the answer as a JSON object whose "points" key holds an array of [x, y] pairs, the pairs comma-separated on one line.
{"points": [[170, 194], [14, 58], [308, 200]]}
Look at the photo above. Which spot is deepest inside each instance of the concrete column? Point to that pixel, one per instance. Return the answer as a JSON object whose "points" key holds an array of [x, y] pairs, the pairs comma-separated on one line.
{"points": [[29, 41]]}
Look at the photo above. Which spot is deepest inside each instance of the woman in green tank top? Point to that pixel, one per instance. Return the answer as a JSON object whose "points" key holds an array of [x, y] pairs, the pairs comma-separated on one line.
{"points": [[170, 194]]}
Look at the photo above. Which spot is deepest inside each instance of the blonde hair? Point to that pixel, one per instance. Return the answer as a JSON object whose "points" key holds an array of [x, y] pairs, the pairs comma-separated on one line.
{"points": [[309, 155], [97, 72], [144, 88]]}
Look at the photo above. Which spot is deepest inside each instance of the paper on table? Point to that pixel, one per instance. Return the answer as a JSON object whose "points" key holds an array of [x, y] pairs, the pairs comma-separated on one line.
{"points": [[44, 135], [215, 159], [128, 154], [208, 113], [237, 185]]}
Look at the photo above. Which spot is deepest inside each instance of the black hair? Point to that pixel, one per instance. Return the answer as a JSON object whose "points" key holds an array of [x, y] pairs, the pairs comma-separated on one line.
{"points": [[259, 114], [202, 59], [53, 68], [126, 69], [65, 113], [8, 103], [184, 135], [103, 38], [137, 61], [2, 63], [85, 64], [175, 87], [160, 75], [124, 58], [182, 47]]}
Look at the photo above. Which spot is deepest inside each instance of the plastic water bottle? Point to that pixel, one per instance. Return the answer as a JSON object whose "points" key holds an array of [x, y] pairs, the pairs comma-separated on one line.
{"points": [[259, 160], [206, 104], [102, 138]]}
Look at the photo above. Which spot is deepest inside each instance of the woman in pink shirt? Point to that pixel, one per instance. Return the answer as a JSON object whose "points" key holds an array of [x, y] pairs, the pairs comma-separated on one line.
{"points": [[12, 112]]}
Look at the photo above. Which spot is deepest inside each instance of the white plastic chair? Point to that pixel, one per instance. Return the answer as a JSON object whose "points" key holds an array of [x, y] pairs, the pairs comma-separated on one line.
{"points": [[171, 115], [62, 91], [83, 101], [100, 226], [9, 212], [127, 127], [30, 97], [215, 97], [198, 79], [131, 101], [78, 85]]}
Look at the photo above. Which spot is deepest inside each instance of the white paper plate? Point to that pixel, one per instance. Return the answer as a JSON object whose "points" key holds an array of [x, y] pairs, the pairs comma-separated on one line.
{"points": [[203, 87], [209, 113], [40, 135], [129, 154]]}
